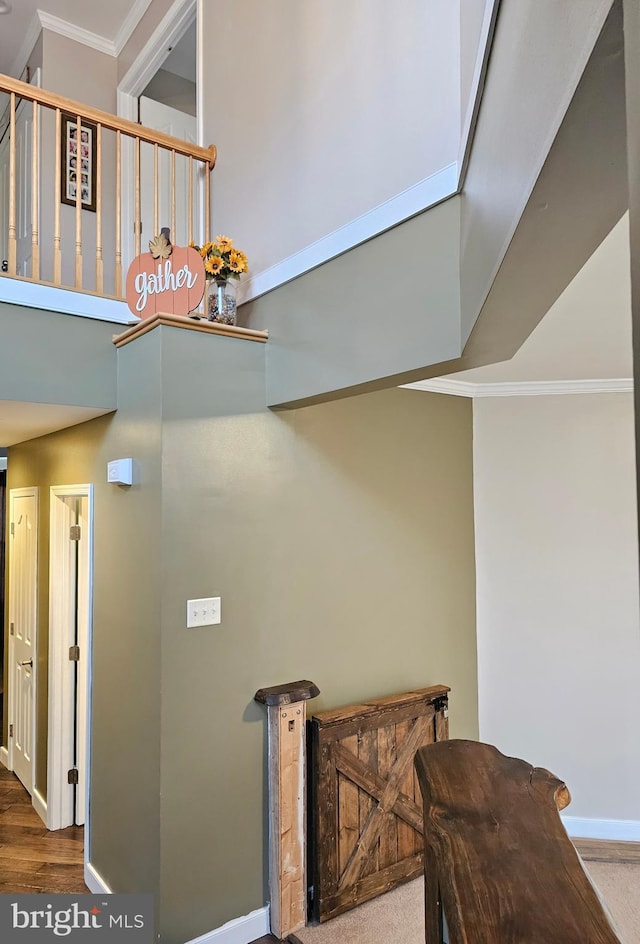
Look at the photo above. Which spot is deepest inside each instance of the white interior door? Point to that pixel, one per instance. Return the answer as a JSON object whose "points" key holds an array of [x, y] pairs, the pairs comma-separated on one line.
{"points": [[180, 125], [24, 128], [4, 199], [83, 591], [23, 582], [24, 196], [70, 581], [24, 158]]}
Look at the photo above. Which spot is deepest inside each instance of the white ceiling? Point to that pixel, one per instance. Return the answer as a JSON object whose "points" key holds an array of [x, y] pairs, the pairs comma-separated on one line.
{"points": [[182, 58], [22, 421], [104, 19]]}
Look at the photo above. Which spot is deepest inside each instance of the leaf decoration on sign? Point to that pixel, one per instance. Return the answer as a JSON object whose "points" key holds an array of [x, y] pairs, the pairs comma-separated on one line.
{"points": [[160, 247]]}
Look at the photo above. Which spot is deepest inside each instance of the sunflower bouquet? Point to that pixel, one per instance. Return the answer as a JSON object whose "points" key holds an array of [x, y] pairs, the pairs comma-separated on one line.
{"points": [[221, 260]]}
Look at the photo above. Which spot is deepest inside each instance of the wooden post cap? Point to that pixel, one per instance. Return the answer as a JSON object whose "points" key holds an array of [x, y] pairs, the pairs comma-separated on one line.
{"points": [[287, 694]]}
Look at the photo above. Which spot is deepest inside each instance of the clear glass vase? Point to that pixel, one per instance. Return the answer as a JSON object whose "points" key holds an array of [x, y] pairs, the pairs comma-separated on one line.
{"points": [[221, 301]]}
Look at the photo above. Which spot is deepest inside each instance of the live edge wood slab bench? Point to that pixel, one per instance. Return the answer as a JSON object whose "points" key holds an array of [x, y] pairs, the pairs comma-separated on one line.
{"points": [[498, 861]]}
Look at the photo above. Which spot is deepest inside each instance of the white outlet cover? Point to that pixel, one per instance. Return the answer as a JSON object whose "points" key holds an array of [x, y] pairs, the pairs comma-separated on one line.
{"points": [[203, 612]]}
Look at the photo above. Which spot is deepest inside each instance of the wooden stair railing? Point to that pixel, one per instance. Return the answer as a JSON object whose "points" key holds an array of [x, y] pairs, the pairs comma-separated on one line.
{"points": [[110, 161], [498, 861]]}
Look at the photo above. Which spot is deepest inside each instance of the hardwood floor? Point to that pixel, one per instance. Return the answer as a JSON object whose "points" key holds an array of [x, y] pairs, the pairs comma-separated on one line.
{"points": [[603, 850], [32, 859]]}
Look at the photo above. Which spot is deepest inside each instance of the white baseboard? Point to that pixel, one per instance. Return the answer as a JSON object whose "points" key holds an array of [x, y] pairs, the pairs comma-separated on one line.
{"points": [[239, 931], [423, 195], [94, 881], [4, 757], [617, 830], [40, 805]]}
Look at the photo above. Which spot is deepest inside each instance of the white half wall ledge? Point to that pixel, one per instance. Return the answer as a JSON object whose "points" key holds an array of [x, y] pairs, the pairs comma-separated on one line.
{"points": [[422, 196], [527, 388], [238, 931], [65, 301], [94, 881], [616, 830]]}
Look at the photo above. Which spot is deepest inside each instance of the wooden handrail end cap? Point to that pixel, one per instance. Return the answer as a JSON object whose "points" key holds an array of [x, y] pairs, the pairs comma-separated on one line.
{"points": [[287, 694]]}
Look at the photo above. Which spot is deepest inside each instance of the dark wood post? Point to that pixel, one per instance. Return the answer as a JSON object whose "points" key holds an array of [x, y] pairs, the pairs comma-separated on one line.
{"points": [[287, 715]]}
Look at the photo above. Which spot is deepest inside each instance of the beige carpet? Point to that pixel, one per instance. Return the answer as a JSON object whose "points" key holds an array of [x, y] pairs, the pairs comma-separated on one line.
{"points": [[397, 918]]}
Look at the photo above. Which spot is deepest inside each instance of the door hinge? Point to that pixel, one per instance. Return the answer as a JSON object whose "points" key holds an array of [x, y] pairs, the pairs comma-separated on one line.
{"points": [[13, 529], [74, 532], [72, 775], [12, 629], [74, 653], [10, 730]]}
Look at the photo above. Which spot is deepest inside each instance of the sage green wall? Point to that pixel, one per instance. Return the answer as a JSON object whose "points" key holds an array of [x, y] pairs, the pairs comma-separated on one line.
{"points": [[49, 357], [340, 538], [65, 458], [125, 690], [335, 330]]}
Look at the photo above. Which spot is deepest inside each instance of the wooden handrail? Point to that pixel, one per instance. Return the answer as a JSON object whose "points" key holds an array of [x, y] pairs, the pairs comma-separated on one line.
{"points": [[50, 99]]}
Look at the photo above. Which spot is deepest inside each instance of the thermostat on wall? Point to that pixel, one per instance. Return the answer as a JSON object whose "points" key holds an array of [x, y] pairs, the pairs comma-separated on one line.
{"points": [[120, 471]]}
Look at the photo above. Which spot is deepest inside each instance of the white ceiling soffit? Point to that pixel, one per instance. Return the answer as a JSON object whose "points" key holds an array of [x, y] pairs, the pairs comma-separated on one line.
{"points": [[110, 45], [523, 388], [20, 421], [582, 345]]}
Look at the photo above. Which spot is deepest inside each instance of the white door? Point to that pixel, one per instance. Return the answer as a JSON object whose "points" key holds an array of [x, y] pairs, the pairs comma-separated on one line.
{"points": [[82, 666], [70, 540], [24, 127], [4, 199], [24, 159], [24, 164], [23, 570], [179, 125]]}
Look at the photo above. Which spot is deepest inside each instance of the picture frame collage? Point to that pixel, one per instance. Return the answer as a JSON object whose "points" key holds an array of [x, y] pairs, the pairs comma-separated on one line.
{"points": [[78, 166]]}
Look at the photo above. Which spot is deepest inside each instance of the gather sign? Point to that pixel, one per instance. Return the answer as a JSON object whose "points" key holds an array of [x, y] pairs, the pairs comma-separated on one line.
{"points": [[168, 279]]}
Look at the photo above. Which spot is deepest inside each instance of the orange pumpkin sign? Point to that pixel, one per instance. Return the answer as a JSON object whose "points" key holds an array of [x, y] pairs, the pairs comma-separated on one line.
{"points": [[168, 279]]}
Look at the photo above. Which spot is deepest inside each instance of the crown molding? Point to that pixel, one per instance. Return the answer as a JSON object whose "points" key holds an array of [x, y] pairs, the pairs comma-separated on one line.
{"points": [[26, 47], [525, 388], [63, 28], [135, 14], [111, 47]]}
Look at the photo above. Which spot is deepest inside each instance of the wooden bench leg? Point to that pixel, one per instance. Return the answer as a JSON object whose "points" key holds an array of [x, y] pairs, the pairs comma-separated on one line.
{"points": [[432, 903]]}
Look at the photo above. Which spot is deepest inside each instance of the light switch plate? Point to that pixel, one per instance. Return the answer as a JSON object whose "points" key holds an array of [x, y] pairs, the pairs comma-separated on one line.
{"points": [[204, 612]]}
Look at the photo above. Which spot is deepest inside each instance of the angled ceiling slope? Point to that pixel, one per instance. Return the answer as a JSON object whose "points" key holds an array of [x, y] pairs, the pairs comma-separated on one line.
{"points": [[545, 182], [578, 197]]}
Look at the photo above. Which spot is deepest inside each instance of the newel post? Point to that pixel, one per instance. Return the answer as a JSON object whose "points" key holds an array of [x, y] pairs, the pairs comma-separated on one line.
{"points": [[287, 714]]}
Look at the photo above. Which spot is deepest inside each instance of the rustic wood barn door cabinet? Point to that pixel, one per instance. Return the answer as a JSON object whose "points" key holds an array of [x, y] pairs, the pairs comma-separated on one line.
{"points": [[365, 819]]}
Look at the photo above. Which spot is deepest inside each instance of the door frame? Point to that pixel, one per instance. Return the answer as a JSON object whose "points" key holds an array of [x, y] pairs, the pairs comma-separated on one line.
{"points": [[178, 18], [31, 491], [60, 812]]}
